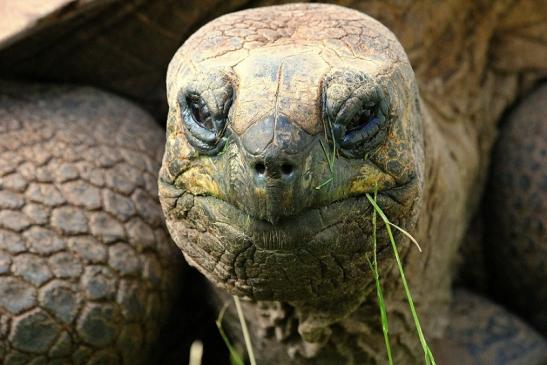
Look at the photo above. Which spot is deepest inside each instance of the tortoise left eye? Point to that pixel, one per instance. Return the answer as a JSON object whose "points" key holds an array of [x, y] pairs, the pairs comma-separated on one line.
{"points": [[204, 131]]}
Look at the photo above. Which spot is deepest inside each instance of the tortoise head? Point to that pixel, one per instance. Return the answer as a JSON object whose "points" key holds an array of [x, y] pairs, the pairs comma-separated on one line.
{"points": [[281, 120]]}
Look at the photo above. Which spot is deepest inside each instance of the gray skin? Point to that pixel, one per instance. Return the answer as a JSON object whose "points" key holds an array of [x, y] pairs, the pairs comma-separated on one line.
{"points": [[87, 271], [273, 139]]}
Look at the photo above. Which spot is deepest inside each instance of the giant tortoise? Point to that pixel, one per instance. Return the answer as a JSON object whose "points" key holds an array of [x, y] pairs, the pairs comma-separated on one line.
{"points": [[282, 123]]}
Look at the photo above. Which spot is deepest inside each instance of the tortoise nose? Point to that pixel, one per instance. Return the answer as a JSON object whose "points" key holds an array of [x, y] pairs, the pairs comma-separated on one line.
{"points": [[273, 169]]}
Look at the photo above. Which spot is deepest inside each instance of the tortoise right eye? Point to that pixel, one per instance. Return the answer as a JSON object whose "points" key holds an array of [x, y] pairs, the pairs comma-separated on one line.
{"points": [[357, 112], [200, 111], [204, 130], [364, 130]]}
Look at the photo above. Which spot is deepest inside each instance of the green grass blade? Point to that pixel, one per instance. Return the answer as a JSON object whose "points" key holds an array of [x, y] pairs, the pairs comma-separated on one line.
{"points": [[333, 145], [330, 159], [330, 164], [406, 234], [429, 359], [318, 187], [245, 331], [383, 312], [379, 292], [235, 358]]}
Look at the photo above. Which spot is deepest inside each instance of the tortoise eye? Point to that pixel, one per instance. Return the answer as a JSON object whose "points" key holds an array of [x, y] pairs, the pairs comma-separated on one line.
{"points": [[360, 118], [363, 130], [204, 130], [357, 112], [200, 111]]}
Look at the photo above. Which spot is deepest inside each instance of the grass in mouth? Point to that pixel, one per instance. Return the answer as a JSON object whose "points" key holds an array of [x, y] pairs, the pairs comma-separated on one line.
{"points": [[235, 357], [330, 162], [428, 355], [330, 159], [379, 293]]}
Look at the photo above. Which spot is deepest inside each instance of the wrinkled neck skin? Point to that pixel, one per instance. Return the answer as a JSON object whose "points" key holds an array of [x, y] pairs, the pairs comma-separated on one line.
{"points": [[348, 331]]}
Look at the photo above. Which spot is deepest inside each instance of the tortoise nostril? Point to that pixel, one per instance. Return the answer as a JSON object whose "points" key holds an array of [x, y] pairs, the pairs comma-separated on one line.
{"points": [[260, 168], [287, 169], [273, 170]]}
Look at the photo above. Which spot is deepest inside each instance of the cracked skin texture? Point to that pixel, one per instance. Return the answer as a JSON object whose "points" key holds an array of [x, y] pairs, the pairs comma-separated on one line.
{"points": [[313, 256], [299, 251], [87, 271], [275, 116]]}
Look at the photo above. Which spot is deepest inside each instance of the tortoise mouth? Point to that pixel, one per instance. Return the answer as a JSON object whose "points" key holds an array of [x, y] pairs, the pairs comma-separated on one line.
{"points": [[312, 254], [345, 222]]}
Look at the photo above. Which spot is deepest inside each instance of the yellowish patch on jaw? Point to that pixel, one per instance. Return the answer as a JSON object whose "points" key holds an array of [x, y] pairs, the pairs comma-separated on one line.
{"points": [[198, 181], [368, 180]]}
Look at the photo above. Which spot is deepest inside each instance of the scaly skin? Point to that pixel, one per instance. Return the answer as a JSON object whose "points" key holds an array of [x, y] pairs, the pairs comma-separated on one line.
{"points": [[274, 80], [87, 271]]}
